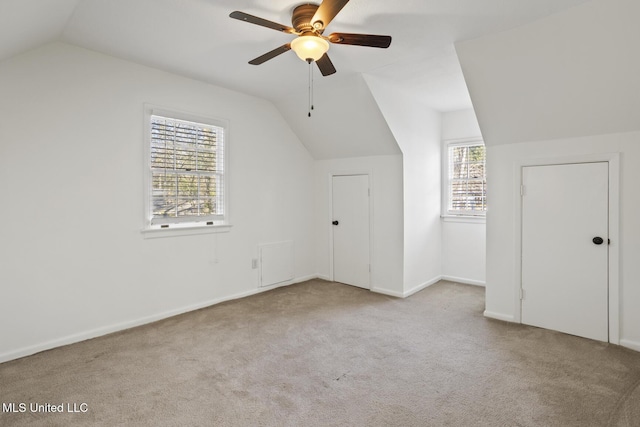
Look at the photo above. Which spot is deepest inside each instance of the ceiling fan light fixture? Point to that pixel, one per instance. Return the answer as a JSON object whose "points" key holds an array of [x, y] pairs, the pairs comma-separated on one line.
{"points": [[310, 47]]}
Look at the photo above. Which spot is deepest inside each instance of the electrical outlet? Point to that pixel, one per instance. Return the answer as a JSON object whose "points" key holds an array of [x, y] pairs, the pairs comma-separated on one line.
{"points": [[254, 263]]}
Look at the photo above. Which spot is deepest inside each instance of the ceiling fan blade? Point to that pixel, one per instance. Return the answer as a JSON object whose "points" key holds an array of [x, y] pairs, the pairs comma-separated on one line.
{"points": [[325, 65], [360, 39], [327, 10], [270, 55], [241, 16]]}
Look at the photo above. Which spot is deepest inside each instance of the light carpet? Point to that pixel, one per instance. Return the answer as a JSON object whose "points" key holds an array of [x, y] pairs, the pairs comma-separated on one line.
{"points": [[325, 354]]}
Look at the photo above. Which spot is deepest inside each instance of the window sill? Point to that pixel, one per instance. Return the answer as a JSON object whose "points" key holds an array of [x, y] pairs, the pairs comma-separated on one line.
{"points": [[472, 219], [185, 230]]}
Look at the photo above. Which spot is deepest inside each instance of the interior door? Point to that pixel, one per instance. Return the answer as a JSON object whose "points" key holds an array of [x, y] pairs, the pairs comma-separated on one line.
{"points": [[565, 248], [350, 225]]}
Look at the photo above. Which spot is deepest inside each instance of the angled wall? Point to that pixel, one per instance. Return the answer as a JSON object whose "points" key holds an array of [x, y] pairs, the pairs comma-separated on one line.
{"points": [[564, 86], [417, 130], [398, 142]]}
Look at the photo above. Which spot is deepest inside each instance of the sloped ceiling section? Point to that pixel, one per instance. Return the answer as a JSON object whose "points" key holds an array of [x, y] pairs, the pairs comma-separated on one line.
{"points": [[345, 121], [443, 90], [197, 39], [575, 73], [26, 24]]}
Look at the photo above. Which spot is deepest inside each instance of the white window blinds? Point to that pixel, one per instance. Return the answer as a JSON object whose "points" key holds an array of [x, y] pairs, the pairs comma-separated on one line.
{"points": [[187, 171], [467, 179]]}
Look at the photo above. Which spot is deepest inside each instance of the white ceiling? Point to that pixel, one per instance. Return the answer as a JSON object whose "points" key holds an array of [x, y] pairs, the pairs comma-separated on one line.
{"points": [[196, 38], [573, 74]]}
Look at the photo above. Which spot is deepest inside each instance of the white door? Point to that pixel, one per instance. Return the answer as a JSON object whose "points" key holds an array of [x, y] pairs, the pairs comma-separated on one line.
{"points": [[564, 269], [351, 230]]}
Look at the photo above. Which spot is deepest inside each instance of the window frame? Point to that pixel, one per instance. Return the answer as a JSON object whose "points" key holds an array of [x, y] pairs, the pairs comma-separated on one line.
{"points": [[190, 224], [446, 213]]}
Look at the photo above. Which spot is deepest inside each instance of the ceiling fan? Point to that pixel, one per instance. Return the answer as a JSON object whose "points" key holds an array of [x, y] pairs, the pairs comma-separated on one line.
{"points": [[309, 22]]}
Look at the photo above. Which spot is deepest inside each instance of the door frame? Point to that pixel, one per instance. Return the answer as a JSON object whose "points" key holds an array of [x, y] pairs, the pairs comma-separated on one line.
{"points": [[330, 218], [613, 159]]}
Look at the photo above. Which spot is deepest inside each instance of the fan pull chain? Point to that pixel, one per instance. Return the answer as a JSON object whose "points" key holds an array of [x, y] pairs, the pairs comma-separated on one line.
{"points": [[309, 61]]}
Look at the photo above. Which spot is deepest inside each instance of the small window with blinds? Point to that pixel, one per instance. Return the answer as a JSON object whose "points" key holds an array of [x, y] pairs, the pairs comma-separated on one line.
{"points": [[186, 172], [467, 184]]}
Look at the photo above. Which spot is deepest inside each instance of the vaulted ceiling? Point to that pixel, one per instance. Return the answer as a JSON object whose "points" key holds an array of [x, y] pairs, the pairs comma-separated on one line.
{"points": [[196, 38]]}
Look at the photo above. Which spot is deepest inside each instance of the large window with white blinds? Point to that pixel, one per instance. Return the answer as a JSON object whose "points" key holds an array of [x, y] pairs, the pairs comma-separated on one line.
{"points": [[467, 181], [186, 182]]}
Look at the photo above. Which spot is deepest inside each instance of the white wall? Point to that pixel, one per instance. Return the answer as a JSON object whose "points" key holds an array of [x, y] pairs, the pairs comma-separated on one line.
{"points": [[502, 274], [464, 251], [420, 145], [73, 262], [461, 124], [409, 250], [417, 131], [564, 86], [463, 240], [385, 174]]}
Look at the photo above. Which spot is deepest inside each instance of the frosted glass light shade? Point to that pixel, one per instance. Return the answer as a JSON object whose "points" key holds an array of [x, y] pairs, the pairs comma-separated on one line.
{"points": [[309, 47]]}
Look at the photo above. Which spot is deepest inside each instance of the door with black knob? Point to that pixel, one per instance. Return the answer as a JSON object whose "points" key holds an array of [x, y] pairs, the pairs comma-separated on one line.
{"points": [[565, 219], [350, 230]]}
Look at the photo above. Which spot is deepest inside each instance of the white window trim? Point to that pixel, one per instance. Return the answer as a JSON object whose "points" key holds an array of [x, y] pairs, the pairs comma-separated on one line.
{"points": [[445, 214], [472, 219], [183, 228]]}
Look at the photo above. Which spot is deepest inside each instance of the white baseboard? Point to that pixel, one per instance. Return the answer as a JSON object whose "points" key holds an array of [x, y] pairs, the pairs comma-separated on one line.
{"points": [[285, 283], [387, 292], [323, 277], [464, 281], [633, 345], [408, 293], [421, 286], [97, 332], [499, 316], [424, 285], [305, 278]]}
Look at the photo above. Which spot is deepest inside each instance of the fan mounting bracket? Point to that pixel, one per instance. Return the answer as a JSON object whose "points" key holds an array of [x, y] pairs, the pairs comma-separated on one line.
{"points": [[301, 19]]}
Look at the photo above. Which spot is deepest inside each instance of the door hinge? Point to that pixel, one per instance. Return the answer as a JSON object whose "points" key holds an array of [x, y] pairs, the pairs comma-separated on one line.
{"points": [[522, 294], [521, 190], [369, 192]]}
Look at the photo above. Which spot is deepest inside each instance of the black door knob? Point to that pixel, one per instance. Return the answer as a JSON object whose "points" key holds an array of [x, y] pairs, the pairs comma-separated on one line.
{"points": [[335, 223], [598, 240]]}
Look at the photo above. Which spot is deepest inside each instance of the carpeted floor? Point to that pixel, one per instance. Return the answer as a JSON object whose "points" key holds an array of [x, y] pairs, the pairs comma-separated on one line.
{"points": [[325, 354]]}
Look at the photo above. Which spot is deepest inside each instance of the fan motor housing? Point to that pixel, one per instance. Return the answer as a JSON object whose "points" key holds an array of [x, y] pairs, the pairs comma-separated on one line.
{"points": [[301, 17]]}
